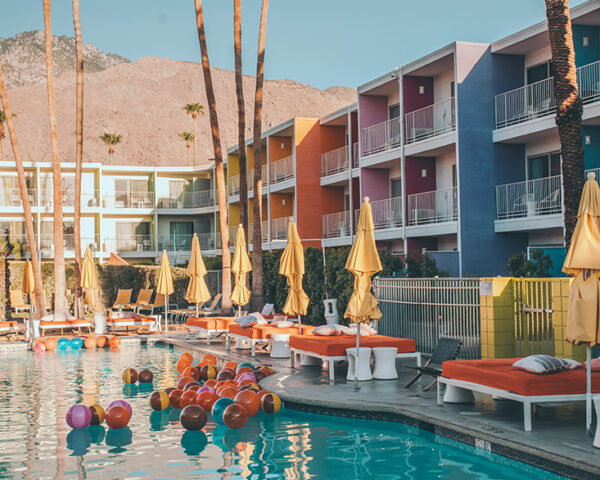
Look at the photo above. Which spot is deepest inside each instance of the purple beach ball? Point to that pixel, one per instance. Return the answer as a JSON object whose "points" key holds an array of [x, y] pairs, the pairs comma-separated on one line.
{"points": [[206, 389], [79, 416], [121, 403], [247, 376]]}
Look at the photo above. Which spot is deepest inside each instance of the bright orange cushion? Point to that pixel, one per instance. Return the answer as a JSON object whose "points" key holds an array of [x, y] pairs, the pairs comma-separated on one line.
{"points": [[8, 324], [335, 346], [79, 321], [131, 320], [267, 330], [499, 373], [250, 332], [211, 323]]}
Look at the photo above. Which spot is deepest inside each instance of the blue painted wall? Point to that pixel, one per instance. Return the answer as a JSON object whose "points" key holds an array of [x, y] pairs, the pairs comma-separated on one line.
{"points": [[483, 165], [446, 261], [591, 53], [591, 152]]}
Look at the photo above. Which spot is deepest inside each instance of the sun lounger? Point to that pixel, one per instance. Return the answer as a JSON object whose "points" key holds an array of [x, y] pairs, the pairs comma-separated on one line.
{"points": [[144, 298], [213, 326], [333, 348], [499, 378], [6, 328], [261, 333], [159, 304], [17, 302], [123, 298], [132, 321], [62, 325], [210, 309], [446, 349]]}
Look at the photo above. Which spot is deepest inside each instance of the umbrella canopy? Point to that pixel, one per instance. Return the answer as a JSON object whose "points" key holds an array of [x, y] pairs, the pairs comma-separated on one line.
{"points": [[164, 285], [115, 260], [240, 267], [292, 267], [363, 261], [28, 287], [197, 291], [89, 276]]}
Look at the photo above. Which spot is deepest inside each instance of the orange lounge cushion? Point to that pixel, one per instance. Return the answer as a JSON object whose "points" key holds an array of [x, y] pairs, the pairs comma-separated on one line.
{"points": [[8, 324], [263, 332], [499, 373], [250, 332], [335, 346], [210, 323], [132, 321], [79, 322]]}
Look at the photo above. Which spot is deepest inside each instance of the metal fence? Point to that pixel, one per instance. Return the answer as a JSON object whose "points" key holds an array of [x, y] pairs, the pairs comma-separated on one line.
{"points": [[426, 309], [533, 317]]}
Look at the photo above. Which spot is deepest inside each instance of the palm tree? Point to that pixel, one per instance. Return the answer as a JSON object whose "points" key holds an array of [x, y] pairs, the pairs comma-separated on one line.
{"points": [[194, 109], [239, 91], [35, 263], [2, 133], [112, 140], [78, 157], [60, 284], [258, 294], [219, 171], [568, 109], [188, 138]]}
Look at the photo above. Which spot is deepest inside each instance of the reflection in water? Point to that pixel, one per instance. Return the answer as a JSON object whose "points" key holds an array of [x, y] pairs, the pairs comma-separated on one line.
{"points": [[159, 420], [79, 441], [194, 442], [119, 438]]}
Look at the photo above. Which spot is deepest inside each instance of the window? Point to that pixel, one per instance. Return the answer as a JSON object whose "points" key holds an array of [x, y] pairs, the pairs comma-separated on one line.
{"points": [[396, 188], [542, 166], [539, 72], [393, 111], [181, 234], [132, 193]]}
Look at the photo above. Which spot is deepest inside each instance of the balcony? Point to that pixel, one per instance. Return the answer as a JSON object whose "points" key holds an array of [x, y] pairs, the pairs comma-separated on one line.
{"points": [[11, 197], [175, 243], [249, 234], [355, 155], [381, 137], [143, 199], [234, 185], [430, 121], [538, 99], [337, 225], [529, 199], [199, 199], [47, 244], [209, 241], [387, 213], [279, 228], [282, 170], [88, 199], [129, 243], [438, 206], [264, 177], [335, 161]]}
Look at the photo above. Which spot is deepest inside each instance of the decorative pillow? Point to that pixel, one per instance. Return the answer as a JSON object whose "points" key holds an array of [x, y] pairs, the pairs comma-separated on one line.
{"points": [[352, 330], [325, 331], [246, 321], [544, 364], [260, 320], [279, 318], [595, 364], [284, 324], [268, 309]]}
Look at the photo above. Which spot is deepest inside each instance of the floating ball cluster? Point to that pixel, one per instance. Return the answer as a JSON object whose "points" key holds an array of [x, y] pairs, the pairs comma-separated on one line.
{"points": [[117, 415], [62, 344]]}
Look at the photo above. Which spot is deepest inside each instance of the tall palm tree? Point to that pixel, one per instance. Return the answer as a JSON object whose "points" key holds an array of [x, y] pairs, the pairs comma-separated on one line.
{"points": [[219, 170], [35, 263], [60, 282], [258, 294], [78, 157], [188, 138], [112, 140], [568, 109], [239, 91], [194, 109], [2, 133]]}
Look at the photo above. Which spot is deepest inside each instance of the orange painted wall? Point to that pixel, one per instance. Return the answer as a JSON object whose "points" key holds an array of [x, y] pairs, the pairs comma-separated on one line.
{"points": [[278, 210]]}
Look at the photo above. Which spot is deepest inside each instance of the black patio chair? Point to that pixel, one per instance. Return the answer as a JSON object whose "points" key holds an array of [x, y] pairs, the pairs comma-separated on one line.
{"points": [[446, 349]]}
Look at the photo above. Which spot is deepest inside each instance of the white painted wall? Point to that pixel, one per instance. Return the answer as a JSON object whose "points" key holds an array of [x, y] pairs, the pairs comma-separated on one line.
{"points": [[447, 243], [537, 56], [443, 170], [552, 236], [441, 86], [394, 99]]}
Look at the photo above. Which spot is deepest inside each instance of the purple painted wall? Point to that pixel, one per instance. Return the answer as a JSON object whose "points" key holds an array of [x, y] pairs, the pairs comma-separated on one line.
{"points": [[375, 183], [412, 99], [415, 182], [372, 109]]}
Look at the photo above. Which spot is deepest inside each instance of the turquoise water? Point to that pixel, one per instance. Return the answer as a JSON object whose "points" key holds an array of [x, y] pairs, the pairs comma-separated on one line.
{"points": [[36, 443]]}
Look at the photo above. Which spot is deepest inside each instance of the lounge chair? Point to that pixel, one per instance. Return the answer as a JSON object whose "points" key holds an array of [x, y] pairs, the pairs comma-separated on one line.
{"points": [[211, 309], [17, 302], [144, 297], [131, 320], [261, 333], [333, 349], [123, 299], [159, 304], [499, 378], [76, 325], [9, 327], [213, 327], [446, 349]]}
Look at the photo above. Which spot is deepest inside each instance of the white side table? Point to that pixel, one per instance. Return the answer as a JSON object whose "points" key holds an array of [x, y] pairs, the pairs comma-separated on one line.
{"points": [[360, 366], [596, 399], [385, 363], [280, 345]]}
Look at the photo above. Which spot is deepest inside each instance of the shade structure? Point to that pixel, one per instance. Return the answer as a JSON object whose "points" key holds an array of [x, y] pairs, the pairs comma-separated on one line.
{"points": [[28, 288], [89, 276], [164, 284], [583, 263], [240, 267], [292, 267], [197, 291], [115, 260], [363, 262]]}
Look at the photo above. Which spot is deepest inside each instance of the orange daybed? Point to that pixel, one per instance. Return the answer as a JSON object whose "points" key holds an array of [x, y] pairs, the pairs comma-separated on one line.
{"points": [[61, 325], [261, 333], [211, 325], [9, 326], [132, 322]]}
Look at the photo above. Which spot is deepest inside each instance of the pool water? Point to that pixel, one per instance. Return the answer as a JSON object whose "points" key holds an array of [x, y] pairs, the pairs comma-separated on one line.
{"points": [[36, 443]]}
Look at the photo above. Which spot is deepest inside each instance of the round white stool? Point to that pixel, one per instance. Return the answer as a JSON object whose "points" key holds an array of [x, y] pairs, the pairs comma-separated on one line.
{"points": [[280, 346], [308, 361], [454, 394], [360, 367], [385, 363], [597, 436], [243, 344]]}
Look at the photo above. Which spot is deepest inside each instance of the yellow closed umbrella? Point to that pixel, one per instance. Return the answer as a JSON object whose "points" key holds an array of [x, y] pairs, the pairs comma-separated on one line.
{"points": [[240, 267], [197, 291], [583, 263], [28, 288], [89, 276], [164, 285], [292, 267], [363, 262]]}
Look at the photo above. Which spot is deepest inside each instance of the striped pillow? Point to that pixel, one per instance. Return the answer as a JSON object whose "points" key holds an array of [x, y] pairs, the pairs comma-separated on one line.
{"points": [[545, 364]]}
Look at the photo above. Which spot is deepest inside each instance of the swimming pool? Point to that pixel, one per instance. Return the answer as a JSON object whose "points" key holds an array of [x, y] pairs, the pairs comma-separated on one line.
{"points": [[36, 443]]}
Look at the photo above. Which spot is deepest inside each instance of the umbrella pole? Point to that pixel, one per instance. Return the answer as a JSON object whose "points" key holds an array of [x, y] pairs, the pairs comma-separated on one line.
{"points": [[166, 313], [31, 324], [299, 324], [588, 395], [356, 387], [196, 309]]}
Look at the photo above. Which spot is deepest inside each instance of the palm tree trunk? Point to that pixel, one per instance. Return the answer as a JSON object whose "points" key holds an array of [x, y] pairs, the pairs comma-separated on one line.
{"points": [[219, 171], [568, 110], [194, 124], [59, 247], [2, 136], [258, 294], [35, 263], [239, 90], [78, 159]]}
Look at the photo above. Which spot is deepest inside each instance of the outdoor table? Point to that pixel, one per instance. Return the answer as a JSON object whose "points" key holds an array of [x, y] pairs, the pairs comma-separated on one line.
{"points": [[280, 345], [385, 363], [363, 367]]}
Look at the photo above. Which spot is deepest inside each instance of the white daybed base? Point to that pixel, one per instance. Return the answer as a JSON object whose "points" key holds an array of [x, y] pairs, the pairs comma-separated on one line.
{"points": [[243, 338], [62, 326], [526, 400], [127, 325], [210, 332]]}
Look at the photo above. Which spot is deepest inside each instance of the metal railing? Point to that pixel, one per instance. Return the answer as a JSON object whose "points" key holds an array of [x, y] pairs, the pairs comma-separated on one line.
{"points": [[430, 121], [381, 137], [387, 213], [88, 200], [129, 243], [234, 185], [334, 161], [208, 241], [11, 197], [426, 309], [264, 176], [588, 81], [233, 234], [282, 169], [433, 207], [534, 333], [175, 243], [355, 155], [531, 198], [279, 228], [198, 199], [129, 200], [47, 243], [336, 225]]}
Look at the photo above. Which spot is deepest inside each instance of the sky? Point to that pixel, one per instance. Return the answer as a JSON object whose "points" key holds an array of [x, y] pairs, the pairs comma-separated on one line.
{"points": [[322, 43]]}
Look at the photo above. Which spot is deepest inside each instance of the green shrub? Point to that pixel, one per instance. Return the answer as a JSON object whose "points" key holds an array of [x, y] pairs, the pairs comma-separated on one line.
{"points": [[422, 265], [539, 266]]}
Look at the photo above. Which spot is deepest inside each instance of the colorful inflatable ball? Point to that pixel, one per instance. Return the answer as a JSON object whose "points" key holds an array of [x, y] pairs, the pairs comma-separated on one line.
{"points": [[193, 417], [192, 384], [218, 409], [186, 357], [187, 398], [246, 376], [206, 400], [114, 342], [235, 416], [267, 370], [270, 403], [241, 369], [98, 414], [121, 403], [226, 374], [251, 386], [76, 343], [192, 372], [40, 348], [245, 365], [231, 365], [101, 341], [90, 343], [227, 392], [159, 400], [249, 400], [175, 398], [145, 376], [211, 383], [62, 344], [117, 417], [205, 388], [209, 359], [168, 390], [130, 375], [79, 416], [259, 375], [183, 381], [208, 372], [262, 393], [51, 344]]}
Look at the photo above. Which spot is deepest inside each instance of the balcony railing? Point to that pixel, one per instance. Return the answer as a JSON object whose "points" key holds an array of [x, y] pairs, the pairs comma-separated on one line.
{"points": [[175, 242], [531, 198], [336, 225], [199, 199], [11, 197], [129, 200], [234, 185], [334, 161], [355, 155], [538, 99], [387, 213], [209, 241], [129, 243], [264, 177], [437, 206], [47, 243], [279, 228], [282, 170], [381, 137], [430, 121], [88, 199]]}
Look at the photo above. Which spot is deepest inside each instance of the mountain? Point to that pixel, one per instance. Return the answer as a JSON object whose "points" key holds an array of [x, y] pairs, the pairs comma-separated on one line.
{"points": [[143, 100], [24, 60]]}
